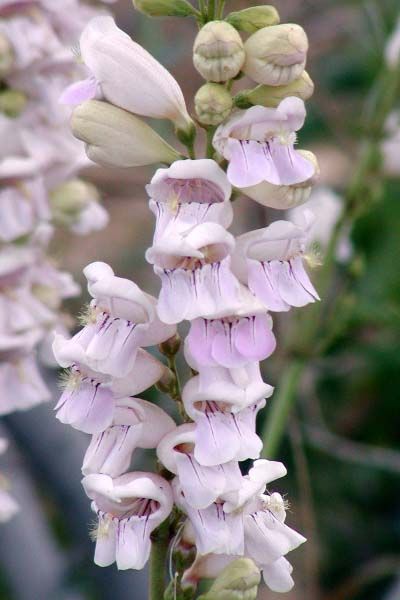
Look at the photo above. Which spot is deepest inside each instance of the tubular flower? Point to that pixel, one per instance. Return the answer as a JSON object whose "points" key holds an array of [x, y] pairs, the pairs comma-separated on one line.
{"points": [[195, 274], [120, 319], [110, 450], [103, 46], [201, 485], [188, 193], [129, 508], [88, 400], [259, 145], [270, 260]]}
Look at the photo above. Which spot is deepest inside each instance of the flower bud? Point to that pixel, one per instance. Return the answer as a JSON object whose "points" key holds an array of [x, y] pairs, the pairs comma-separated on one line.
{"points": [[117, 138], [276, 55], [284, 197], [6, 56], [164, 8], [272, 95], [213, 104], [239, 580], [69, 199], [12, 103], [171, 346], [253, 19], [218, 52]]}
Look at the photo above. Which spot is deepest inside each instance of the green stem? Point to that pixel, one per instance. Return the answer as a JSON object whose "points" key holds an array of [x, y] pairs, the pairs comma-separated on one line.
{"points": [[176, 394], [203, 8], [211, 10], [210, 147], [220, 9], [280, 408], [158, 561]]}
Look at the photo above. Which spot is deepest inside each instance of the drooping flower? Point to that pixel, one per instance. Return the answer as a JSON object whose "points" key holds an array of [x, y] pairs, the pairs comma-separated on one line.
{"points": [[224, 431], [89, 398], [235, 340], [270, 261], [259, 145], [103, 46], [188, 193], [242, 385], [214, 530], [136, 424], [121, 319], [201, 485], [195, 274], [129, 508]]}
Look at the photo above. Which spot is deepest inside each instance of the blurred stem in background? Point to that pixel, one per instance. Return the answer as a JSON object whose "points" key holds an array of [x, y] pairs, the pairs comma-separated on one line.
{"points": [[310, 332]]}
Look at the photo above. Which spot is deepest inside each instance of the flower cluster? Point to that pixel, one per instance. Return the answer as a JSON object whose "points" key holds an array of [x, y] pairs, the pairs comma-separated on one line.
{"points": [[39, 161], [224, 286]]}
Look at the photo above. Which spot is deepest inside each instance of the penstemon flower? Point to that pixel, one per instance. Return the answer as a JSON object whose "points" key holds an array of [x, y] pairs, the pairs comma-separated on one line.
{"points": [[223, 285], [39, 189]]}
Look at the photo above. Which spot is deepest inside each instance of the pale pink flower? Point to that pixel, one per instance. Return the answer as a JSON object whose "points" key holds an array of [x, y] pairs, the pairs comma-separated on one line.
{"points": [[136, 424], [259, 145], [270, 261], [242, 385], [214, 530], [224, 430], [89, 399], [103, 46], [188, 193], [195, 274], [121, 319], [235, 340], [201, 485], [129, 508]]}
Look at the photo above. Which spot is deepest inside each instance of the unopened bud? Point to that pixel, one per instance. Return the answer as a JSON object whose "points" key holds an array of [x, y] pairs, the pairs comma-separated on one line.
{"points": [[6, 56], [276, 55], [12, 103], [272, 95], [164, 8], [213, 104], [69, 199], [171, 346], [218, 52], [284, 197], [239, 581], [117, 138], [253, 19]]}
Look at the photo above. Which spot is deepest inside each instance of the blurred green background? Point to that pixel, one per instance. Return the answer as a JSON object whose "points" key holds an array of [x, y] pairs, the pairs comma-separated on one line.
{"points": [[341, 442]]}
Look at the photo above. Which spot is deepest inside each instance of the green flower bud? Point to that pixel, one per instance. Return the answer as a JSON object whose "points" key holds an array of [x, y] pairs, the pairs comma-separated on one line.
{"points": [[213, 104], [12, 103], [218, 52], [272, 95], [69, 199], [253, 19], [164, 8], [276, 55], [6, 56], [238, 581], [115, 137]]}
